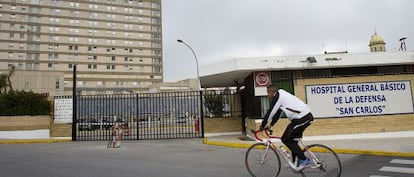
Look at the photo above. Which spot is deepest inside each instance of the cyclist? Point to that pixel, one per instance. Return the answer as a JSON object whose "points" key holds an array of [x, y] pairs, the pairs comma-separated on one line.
{"points": [[300, 118]]}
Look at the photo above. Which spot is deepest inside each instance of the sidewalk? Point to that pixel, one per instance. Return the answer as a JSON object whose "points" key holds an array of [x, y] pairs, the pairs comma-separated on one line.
{"points": [[388, 144]]}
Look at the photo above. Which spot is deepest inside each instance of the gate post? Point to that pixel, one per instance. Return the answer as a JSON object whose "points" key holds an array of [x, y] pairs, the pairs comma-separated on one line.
{"points": [[74, 102], [137, 113], [201, 114]]}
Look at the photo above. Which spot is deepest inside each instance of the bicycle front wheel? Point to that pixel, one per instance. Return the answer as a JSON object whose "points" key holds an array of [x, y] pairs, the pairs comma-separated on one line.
{"points": [[262, 161], [325, 162]]}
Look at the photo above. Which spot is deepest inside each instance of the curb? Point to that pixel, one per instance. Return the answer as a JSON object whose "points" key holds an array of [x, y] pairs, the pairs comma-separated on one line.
{"points": [[337, 150], [34, 141]]}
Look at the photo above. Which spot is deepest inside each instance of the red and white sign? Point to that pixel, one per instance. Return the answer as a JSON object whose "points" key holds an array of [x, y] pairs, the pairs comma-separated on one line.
{"points": [[261, 81]]}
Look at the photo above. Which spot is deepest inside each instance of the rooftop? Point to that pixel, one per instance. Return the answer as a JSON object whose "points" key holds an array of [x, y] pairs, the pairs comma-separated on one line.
{"points": [[226, 73]]}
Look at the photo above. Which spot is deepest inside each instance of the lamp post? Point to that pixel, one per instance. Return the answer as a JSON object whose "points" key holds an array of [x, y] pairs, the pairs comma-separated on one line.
{"points": [[200, 120], [195, 56]]}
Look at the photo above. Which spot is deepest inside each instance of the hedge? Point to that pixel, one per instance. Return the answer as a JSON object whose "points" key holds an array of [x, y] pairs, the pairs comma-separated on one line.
{"points": [[24, 103]]}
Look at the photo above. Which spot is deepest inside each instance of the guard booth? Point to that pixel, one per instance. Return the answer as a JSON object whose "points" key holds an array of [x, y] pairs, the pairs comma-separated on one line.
{"points": [[369, 79]]}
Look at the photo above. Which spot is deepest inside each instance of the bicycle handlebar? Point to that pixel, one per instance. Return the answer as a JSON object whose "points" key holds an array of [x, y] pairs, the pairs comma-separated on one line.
{"points": [[268, 133]]}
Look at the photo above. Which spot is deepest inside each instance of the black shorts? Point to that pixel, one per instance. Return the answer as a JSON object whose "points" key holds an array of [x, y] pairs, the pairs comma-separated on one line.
{"points": [[297, 126]]}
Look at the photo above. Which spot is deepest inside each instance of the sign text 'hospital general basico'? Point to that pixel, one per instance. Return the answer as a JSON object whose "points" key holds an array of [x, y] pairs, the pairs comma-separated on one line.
{"points": [[358, 99]]}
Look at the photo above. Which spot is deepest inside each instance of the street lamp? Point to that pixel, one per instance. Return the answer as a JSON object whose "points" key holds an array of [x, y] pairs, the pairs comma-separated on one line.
{"points": [[195, 56], [200, 111]]}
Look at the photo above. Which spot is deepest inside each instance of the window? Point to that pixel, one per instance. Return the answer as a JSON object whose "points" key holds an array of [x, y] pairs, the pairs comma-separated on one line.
{"points": [[11, 55], [73, 4], [156, 13], [155, 5], [55, 2], [156, 61], [128, 26], [57, 84], [49, 65], [156, 69]]}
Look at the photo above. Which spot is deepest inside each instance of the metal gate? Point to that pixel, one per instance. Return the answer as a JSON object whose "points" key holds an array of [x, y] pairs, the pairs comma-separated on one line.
{"points": [[140, 116]]}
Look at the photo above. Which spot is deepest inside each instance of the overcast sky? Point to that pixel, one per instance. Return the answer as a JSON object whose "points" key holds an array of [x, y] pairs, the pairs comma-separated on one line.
{"points": [[225, 29]]}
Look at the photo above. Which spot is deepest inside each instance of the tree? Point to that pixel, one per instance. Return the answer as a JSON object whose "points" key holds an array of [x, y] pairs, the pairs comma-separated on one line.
{"points": [[214, 103], [3, 83]]}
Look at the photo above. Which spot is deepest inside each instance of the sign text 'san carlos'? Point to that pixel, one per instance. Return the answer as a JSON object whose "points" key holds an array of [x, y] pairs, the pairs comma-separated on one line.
{"points": [[339, 100]]}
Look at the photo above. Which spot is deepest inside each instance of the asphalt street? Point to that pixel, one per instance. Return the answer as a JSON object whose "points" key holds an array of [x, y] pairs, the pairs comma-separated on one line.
{"points": [[160, 158]]}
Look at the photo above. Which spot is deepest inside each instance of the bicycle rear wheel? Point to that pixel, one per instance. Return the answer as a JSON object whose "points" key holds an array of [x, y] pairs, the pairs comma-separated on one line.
{"points": [[262, 161], [328, 163]]}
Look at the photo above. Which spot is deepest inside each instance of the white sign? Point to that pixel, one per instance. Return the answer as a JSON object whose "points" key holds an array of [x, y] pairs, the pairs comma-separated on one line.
{"points": [[63, 110], [360, 99], [261, 81]]}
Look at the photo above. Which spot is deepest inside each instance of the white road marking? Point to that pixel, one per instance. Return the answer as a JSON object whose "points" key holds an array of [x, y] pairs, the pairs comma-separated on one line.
{"points": [[378, 176], [397, 169], [402, 161]]}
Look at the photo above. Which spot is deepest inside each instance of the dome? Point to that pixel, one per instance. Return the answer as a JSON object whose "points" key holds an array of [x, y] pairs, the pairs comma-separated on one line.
{"points": [[376, 39]]}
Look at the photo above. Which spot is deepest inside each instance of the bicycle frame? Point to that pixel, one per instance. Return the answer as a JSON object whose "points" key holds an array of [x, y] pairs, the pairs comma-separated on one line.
{"points": [[270, 144]]}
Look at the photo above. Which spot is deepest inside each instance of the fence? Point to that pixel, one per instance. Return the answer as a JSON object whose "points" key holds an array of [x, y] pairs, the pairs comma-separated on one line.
{"points": [[145, 115]]}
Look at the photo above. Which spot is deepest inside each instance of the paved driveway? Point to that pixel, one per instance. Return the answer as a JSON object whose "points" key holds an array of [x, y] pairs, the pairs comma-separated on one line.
{"points": [[163, 158]]}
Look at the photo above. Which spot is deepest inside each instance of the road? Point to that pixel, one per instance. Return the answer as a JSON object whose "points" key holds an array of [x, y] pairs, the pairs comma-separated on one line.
{"points": [[159, 158]]}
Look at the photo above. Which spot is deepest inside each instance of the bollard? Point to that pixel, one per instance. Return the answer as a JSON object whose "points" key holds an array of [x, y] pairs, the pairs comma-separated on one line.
{"points": [[197, 124]]}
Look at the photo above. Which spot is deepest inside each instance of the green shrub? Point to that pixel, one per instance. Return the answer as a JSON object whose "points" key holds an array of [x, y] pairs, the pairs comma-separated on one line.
{"points": [[214, 103], [24, 103]]}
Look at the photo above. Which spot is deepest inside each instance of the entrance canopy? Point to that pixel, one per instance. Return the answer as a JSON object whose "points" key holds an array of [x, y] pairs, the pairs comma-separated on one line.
{"points": [[230, 72]]}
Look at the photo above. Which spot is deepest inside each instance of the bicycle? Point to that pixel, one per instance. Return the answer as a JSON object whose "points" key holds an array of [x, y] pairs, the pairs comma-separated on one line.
{"points": [[263, 158]]}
